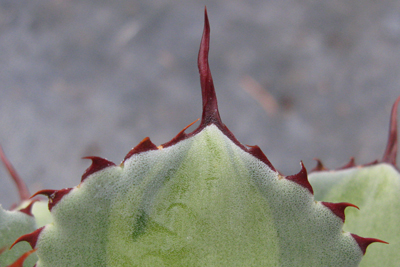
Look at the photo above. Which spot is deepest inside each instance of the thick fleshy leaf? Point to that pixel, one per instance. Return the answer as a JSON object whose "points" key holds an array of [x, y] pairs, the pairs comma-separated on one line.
{"points": [[201, 202], [201, 199], [22, 220], [13, 224], [375, 190]]}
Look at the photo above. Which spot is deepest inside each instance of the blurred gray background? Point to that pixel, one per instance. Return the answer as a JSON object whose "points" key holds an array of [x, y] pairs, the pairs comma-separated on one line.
{"points": [[301, 79]]}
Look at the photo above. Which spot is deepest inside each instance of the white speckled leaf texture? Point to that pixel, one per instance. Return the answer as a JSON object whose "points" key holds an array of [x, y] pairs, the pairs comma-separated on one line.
{"points": [[375, 190], [201, 202]]}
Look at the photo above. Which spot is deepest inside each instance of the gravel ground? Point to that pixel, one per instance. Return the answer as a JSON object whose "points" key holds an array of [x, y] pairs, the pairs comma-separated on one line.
{"points": [[301, 79]]}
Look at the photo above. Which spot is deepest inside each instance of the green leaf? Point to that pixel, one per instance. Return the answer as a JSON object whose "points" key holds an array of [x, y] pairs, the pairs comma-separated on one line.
{"points": [[202, 199], [375, 190], [13, 224], [201, 202]]}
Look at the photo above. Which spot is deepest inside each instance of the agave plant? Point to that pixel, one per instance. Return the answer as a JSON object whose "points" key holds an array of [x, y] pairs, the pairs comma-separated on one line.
{"points": [[374, 188], [205, 199]]}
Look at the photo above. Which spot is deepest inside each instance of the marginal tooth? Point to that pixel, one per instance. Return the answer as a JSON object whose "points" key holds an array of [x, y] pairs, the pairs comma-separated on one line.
{"points": [[363, 242], [54, 195], [97, 165], [20, 261], [257, 152], [320, 166], [57, 196], [179, 137], [28, 209], [31, 238], [338, 208], [143, 146], [45, 192], [301, 178], [349, 164]]}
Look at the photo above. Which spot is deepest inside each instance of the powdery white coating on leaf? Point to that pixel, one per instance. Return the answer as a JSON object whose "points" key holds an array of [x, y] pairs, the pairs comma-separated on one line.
{"points": [[14, 224], [201, 202], [375, 190]]}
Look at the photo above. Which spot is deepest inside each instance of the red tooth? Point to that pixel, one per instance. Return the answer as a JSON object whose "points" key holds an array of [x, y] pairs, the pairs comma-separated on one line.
{"points": [[22, 188], [348, 165], [97, 165], [301, 178], [28, 209], [363, 242], [338, 208], [179, 137], [58, 195], [45, 192], [54, 195], [20, 261], [320, 166], [256, 152], [370, 163], [31, 238], [143, 146], [390, 154]]}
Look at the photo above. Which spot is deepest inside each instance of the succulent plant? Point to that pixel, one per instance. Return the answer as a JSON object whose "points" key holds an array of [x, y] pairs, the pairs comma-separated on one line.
{"points": [[374, 188], [23, 218], [201, 199]]}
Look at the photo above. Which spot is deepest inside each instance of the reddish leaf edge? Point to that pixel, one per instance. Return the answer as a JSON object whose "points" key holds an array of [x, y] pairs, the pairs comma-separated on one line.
{"points": [[210, 115], [54, 196], [20, 261], [301, 178], [28, 209], [31, 238], [363, 242], [390, 154], [98, 164], [338, 208]]}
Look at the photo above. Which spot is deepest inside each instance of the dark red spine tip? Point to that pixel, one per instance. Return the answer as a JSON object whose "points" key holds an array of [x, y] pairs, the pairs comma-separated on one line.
{"points": [[390, 155], [257, 152], [349, 164], [45, 192], [31, 238], [20, 261], [363, 242], [210, 113], [143, 146], [97, 165], [301, 178], [54, 195], [338, 208], [210, 105], [320, 166], [28, 209]]}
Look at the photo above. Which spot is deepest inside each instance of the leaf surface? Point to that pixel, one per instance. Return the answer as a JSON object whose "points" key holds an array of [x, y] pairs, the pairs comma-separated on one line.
{"points": [[375, 190]]}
